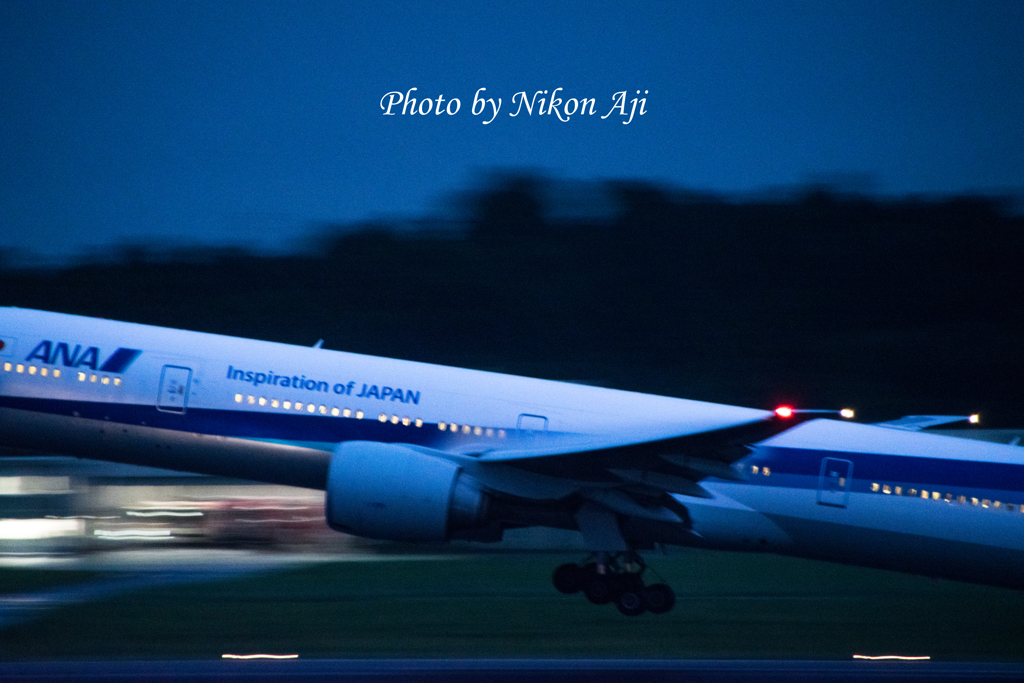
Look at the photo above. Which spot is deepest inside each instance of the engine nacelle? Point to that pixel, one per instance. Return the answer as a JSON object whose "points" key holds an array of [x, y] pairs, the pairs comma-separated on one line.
{"points": [[396, 493]]}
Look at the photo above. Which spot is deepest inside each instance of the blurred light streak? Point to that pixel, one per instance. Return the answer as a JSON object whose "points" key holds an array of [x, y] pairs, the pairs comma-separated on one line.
{"points": [[163, 513], [132, 534], [899, 657], [29, 529], [259, 656]]}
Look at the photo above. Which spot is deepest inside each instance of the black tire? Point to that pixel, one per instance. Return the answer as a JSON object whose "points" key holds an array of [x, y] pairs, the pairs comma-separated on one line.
{"points": [[659, 598], [568, 578], [599, 588], [631, 599]]}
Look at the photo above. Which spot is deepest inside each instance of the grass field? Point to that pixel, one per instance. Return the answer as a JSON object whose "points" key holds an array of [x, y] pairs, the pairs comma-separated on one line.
{"points": [[729, 606], [19, 581]]}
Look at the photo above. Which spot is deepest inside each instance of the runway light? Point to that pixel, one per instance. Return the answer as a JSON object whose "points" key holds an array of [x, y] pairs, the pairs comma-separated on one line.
{"points": [[974, 419], [784, 411], [846, 412]]}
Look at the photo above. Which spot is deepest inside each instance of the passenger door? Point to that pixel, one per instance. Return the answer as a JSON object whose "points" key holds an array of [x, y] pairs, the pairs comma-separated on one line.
{"points": [[174, 386], [834, 482]]}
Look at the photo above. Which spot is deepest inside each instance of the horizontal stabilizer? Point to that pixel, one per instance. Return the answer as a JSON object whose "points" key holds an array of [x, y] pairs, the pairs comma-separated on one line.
{"points": [[915, 423]]}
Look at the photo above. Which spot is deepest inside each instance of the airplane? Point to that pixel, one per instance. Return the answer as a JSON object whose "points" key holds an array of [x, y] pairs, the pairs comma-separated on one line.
{"points": [[410, 451]]}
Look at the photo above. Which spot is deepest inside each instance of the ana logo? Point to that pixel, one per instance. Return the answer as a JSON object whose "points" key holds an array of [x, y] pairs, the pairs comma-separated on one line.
{"points": [[49, 353]]}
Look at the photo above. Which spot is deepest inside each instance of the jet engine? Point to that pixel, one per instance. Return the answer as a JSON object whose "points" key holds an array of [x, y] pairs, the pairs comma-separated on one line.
{"points": [[397, 493]]}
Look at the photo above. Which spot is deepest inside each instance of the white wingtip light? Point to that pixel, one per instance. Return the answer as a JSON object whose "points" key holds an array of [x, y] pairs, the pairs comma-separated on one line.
{"points": [[974, 419], [846, 412]]}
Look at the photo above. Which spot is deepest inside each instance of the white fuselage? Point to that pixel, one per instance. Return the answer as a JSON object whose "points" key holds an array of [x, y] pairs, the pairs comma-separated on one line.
{"points": [[209, 403]]}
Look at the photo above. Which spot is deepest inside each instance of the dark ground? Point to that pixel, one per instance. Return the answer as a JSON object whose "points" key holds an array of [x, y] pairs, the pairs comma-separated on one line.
{"points": [[730, 606]]}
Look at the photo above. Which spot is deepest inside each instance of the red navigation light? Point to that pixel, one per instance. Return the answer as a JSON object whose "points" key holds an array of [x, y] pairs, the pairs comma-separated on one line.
{"points": [[784, 411]]}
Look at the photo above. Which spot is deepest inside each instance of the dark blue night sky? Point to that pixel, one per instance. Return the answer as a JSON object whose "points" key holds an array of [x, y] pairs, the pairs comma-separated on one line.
{"points": [[248, 122]]}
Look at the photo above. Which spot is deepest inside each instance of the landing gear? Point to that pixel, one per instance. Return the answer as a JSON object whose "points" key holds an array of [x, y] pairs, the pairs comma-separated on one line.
{"points": [[659, 598], [568, 578], [615, 578]]}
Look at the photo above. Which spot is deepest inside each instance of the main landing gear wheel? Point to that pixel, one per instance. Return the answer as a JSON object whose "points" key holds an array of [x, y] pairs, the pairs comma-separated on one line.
{"points": [[598, 588], [568, 578], [630, 599], [659, 598], [617, 579]]}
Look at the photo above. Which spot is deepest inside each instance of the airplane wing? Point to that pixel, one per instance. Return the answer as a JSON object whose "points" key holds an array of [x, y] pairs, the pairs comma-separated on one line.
{"points": [[631, 478], [569, 455]]}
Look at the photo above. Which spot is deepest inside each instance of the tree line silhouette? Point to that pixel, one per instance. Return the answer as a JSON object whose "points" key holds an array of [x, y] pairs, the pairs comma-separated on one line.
{"points": [[818, 297]]}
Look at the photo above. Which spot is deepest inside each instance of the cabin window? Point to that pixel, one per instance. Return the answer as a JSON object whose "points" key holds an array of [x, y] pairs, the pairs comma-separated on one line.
{"points": [[44, 372], [7, 367], [767, 472], [885, 489], [323, 410], [875, 487], [105, 380], [382, 417], [238, 398], [21, 368], [406, 421], [263, 401], [31, 369], [985, 502], [898, 490], [346, 413], [274, 403], [419, 422], [754, 469], [335, 412], [359, 415]]}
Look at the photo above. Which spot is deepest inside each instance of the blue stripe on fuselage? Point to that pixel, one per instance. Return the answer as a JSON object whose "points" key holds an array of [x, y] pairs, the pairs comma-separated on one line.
{"points": [[801, 468], [287, 427]]}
